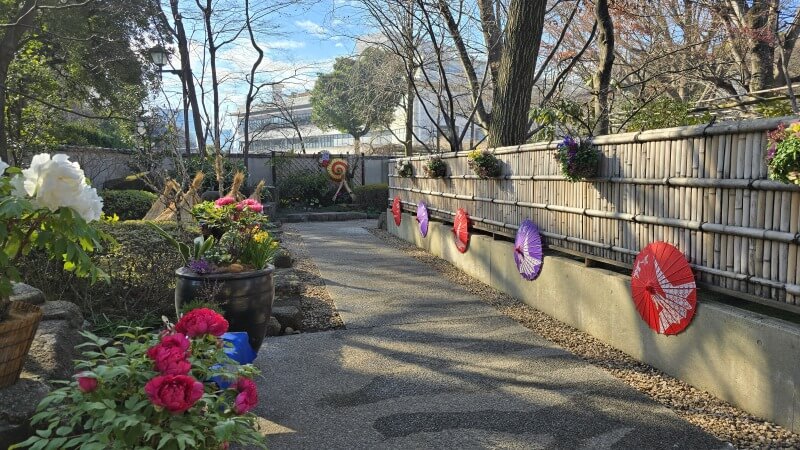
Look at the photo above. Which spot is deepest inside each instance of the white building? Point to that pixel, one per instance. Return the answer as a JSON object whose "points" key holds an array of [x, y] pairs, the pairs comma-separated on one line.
{"points": [[284, 125]]}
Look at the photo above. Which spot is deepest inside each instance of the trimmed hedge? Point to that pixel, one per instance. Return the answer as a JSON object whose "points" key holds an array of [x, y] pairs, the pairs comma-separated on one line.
{"points": [[127, 204], [141, 266], [374, 197], [307, 189]]}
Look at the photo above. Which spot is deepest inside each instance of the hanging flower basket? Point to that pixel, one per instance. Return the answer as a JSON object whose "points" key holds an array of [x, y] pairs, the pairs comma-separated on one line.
{"points": [[404, 168], [435, 167], [16, 335], [484, 163], [783, 153], [579, 158]]}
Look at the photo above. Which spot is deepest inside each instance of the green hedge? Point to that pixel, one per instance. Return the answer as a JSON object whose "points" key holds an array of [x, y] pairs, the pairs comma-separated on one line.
{"points": [[309, 189], [141, 266], [128, 204], [373, 197]]}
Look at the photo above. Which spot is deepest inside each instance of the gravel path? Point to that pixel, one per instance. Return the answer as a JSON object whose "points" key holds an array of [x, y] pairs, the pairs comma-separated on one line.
{"points": [[717, 417], [319, 312]]}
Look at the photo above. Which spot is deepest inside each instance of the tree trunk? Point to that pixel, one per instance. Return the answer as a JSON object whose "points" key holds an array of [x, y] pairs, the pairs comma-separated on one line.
{"points": [[602, 78], [251, 84], [212, 58], [761, 21], [512, 95], [8, 49], [410, 93], [357, 144], [409, 137], [186, 73]]}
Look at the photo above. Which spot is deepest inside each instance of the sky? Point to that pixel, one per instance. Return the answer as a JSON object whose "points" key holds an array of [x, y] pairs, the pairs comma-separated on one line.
{"points": [[302, 39]]}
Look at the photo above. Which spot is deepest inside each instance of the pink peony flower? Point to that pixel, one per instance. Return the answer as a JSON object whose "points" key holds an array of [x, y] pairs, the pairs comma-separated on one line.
{"points": [[169, 355], [86, 384], [247, 398], [202, 321], [223, 201], [175, 393], [252, 205]]}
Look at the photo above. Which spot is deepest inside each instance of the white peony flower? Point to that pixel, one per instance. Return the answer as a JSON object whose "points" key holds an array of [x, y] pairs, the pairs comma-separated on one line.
{"points": [[3, 167], [32, 175], [89, 205], [58, 182]]}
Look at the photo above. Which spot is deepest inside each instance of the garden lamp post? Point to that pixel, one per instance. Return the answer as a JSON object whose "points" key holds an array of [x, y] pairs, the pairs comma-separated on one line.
{"points": [[160, 57]]}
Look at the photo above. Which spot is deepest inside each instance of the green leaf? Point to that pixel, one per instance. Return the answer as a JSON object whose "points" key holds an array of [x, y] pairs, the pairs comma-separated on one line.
{"points": [[165, 439], [26, 443], [56, 443]]}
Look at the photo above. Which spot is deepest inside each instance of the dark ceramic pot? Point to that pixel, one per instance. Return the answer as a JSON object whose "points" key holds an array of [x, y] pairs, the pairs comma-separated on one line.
{"points": [[245, 298]]}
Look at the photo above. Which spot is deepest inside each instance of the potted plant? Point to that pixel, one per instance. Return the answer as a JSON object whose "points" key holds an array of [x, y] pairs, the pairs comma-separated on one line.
{"points": [[783, 153], [177, 389], [484, 163], [404, 168], [435, 167], [210, 218], [578, 158], [234, 271], [47, 207]]}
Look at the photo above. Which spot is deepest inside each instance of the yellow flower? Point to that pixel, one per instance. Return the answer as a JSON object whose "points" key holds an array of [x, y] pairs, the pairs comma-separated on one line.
{"points": [[261, 237], [474, 154], [794, 128], [274, 245]]}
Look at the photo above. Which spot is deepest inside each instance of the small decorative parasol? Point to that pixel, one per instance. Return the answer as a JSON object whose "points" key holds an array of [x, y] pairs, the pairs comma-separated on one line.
{"points": [[461, 230], [422, 218], [397, 211], [663, 288], [528, 250]]}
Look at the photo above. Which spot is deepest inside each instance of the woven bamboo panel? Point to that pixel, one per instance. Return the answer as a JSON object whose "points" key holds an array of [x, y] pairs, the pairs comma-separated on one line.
{"points": [[703, 189]]}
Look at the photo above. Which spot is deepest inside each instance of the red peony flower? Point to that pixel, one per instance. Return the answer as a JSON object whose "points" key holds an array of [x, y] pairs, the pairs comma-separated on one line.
{"points": [[175, 393], [202, 321], [86, 384], [252, 205], [169, 355], [223, 201], [247, 398]]}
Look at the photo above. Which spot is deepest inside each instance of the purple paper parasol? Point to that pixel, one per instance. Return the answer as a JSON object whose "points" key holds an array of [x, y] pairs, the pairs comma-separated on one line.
{"points": [[422, 218], [528, 250]]}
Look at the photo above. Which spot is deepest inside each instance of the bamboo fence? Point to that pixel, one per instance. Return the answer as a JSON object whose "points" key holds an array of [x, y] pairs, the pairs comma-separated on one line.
{"points": [[703, 189]]}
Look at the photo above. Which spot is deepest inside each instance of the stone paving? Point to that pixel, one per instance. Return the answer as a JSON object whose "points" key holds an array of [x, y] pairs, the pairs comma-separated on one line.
{"points": [[423, 364]]}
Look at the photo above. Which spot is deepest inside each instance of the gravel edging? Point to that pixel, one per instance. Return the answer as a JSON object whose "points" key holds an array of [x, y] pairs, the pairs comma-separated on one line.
{"points": [[319, 311], [715, 416]]}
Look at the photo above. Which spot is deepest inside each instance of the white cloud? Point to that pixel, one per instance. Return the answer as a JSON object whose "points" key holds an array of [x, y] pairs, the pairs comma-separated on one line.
{"points": [[285, 44], [312, 27], [339, 44]]}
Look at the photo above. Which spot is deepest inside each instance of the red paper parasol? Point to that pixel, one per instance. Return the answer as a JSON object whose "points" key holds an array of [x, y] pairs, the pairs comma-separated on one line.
{"points": [[663, 288], [397, 211], [461, 230]]}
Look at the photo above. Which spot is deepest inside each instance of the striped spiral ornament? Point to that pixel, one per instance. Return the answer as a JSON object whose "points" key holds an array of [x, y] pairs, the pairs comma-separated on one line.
{"points": [[337, 169]]}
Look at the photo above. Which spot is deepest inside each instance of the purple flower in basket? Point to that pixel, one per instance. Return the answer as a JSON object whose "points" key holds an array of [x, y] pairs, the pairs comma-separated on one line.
{"points": [[771, 152], [199, 266], [571, 143]]}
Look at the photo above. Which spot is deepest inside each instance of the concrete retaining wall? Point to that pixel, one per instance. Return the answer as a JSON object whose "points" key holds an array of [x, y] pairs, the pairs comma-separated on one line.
{"points": [[750, 360]]}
